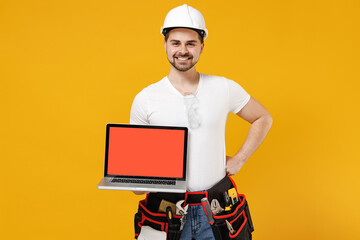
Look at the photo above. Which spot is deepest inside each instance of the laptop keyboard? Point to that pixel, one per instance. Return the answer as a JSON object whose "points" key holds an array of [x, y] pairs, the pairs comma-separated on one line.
{"points": [[145, 181]]}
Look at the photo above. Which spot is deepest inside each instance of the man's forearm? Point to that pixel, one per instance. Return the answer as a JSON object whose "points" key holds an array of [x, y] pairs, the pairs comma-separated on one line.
{"points": [[256, 135]]}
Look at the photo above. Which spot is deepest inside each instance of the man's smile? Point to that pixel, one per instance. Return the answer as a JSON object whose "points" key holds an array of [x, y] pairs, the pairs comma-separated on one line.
{"points": [[182, 59]]}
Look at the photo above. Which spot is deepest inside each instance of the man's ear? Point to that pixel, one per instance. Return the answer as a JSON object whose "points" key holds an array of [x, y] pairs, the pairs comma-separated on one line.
{"points": [[202, 47], [165, 45]]}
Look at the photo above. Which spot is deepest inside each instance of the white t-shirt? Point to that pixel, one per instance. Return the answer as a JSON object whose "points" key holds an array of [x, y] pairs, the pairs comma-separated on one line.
{"points": [[162, 104]]}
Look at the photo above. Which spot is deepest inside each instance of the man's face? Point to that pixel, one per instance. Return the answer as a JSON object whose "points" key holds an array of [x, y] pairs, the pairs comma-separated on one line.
{"points": [[183, 48]]}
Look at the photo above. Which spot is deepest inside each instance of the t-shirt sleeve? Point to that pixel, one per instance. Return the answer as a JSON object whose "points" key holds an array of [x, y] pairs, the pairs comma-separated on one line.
{"points": [[238, 97], [138, 113]]}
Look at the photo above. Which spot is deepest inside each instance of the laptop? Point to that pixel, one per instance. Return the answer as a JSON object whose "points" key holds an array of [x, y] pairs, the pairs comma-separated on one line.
{"points": [[145, 158]]}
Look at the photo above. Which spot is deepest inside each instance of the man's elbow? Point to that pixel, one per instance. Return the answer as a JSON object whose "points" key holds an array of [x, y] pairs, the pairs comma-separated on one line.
{"points": [[268, 120], [265, 120]]}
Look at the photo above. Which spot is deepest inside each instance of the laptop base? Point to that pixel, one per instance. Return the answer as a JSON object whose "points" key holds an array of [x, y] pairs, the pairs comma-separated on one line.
{"points": [[106, 184]]}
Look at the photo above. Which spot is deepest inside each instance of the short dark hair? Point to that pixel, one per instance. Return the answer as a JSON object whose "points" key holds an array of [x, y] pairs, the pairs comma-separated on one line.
{"points": [[201, 33]]}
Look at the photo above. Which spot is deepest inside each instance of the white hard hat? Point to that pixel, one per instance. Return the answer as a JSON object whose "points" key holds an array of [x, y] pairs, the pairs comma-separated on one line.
{"points": [[185, 17]]}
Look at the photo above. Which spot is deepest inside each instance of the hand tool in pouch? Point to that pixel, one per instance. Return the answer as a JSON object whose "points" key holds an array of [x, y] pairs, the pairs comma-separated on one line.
{"points": [[169, 215], [164, 204], [227, 202], [207, 209], [215, 207], [233, 196], [180, 210], [182, 222], [229, 226]]}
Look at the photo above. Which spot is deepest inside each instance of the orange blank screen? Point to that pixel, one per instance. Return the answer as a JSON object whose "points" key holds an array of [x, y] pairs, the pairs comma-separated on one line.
{"points": [[146, 152]]}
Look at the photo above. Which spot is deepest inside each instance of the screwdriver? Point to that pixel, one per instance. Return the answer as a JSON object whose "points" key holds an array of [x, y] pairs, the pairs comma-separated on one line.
{"points": [[169, 214]]}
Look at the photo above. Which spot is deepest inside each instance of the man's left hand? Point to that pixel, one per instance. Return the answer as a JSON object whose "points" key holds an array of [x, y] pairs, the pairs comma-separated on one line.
{"points": [[233, 165]]}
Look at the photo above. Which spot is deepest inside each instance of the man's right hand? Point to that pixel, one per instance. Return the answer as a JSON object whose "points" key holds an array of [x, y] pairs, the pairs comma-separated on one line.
{"points": [[140, 192]]}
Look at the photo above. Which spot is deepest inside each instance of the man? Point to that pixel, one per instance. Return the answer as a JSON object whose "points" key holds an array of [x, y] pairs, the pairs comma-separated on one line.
{"points": [[200, 102]]}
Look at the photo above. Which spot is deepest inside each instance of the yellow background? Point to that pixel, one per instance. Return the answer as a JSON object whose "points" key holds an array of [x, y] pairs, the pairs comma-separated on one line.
{"points": [[69, 67]]}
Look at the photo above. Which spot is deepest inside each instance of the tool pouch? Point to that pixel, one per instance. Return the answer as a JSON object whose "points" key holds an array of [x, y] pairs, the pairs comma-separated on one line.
{"points": [[239, 217], [158, 221]]}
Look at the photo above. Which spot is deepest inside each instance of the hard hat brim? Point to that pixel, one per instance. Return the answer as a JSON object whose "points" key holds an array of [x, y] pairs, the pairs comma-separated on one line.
{"points": [[202, 33]]}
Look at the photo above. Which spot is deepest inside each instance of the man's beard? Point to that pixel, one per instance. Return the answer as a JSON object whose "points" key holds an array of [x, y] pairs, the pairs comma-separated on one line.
{"points": [[179, 67]]}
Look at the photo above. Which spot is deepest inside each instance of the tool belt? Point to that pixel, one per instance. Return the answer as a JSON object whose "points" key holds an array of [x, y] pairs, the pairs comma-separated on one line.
{"points": [[238, 215]]}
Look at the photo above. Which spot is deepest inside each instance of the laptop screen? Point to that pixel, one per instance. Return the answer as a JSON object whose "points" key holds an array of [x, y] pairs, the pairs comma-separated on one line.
{"points": [[146, 151]]}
